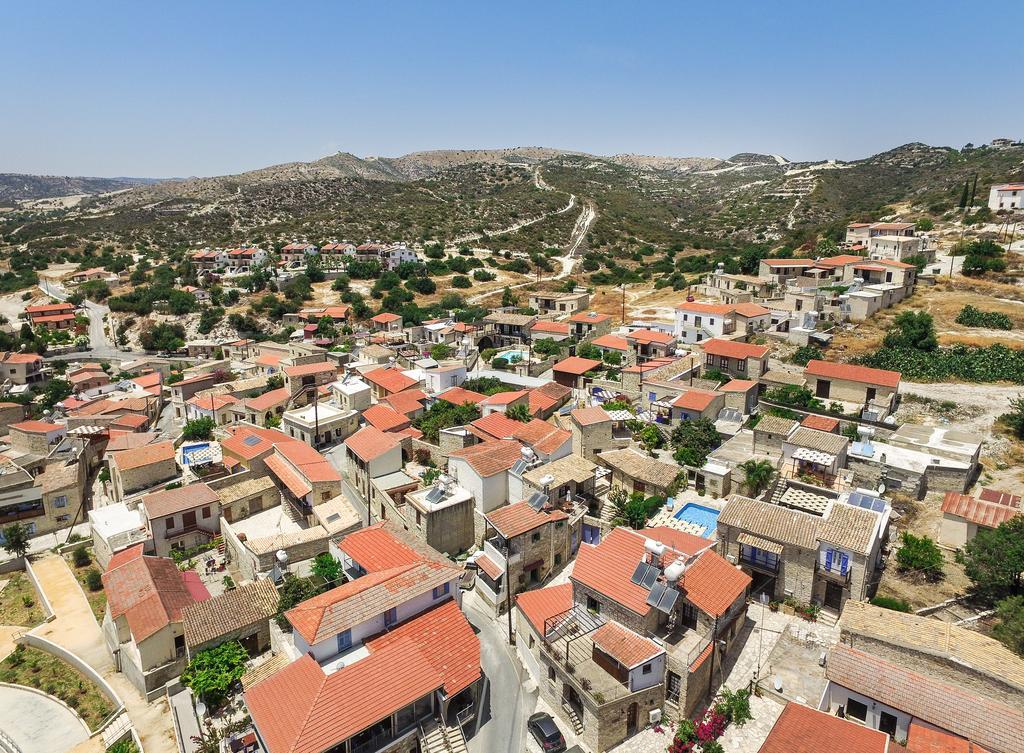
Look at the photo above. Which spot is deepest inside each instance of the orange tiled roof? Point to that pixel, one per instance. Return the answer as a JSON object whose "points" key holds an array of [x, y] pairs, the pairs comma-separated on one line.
{"points": [[734, 349], [385, 418], [737, 385], [459, 396], [821, 423], [268, 400], [172, 501], [489, 566], [248, 442], [406, 401], [554, 328], [37, 427], [489, 458], [503, 398], [698, 400], [922, 738], [141, 456], [392, 380], [978, 511], [700, 307], [645, 336], [519, 518], [851, 373], [626, 647], [544, 603], [548, 396], [611, 342], [307, 369], [369, 443], [575, 365], [310, 463], [287, 475], [589, 317], [592, 415], [801, 729]]}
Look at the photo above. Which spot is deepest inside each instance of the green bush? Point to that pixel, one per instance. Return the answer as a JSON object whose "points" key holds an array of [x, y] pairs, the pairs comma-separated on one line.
{"points": [[80, 556], [920, 554], [804, 354], [93, 580], [972, 317], [890, 602]]}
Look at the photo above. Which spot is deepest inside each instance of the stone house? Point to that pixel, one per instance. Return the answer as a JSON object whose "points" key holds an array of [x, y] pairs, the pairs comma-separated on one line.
{"points": [[809, 452], [319, 423], [525, 544], [181, 518], [36, 437], [350, 393], [142, 468], [387, 322], [389, 381], [440, 515], [242, 614], [301, 380], [142, 625], [645, 344], [586, 325], [571, 372], [560, 303], [635, 471], [183, 391], [694, 404], [371, 453], [859, 385], [262, 409], [593, 432], [506, 329], [304, 476], [963, 515], [22, 368], [737, 359], [770, 432], [240, 498], [648, 618]]}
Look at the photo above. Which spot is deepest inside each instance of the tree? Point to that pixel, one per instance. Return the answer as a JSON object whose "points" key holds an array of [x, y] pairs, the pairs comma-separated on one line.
{"points": [[294, 591], [1010, 628], [199, 428], [757, 475], [461, 281], [924, 224], [994, 560], [275, 382], [912, 330], [16, 539], [519, 413], [441, 351], [328, 568], [632, 510], [694, 441], [325, 327], [80, 556], [920, 554], [212, 672], [508, 298], [964, 195], [163, 336]]}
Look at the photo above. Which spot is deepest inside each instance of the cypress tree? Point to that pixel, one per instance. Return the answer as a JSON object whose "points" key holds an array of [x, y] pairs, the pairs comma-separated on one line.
{"points": [[963, 196]]}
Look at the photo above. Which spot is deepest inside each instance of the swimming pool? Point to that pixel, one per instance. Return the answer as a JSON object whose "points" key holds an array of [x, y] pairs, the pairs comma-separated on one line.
{"points": [[511, 355], [196, 454], [699, 515]]}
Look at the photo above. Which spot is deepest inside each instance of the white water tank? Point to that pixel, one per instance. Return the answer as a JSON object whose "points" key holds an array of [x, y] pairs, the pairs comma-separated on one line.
{"points": [[675, 571], [654, 547]]}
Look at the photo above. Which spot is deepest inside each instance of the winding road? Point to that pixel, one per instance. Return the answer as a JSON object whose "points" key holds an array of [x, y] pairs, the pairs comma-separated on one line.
{"points": [[99, 346]]}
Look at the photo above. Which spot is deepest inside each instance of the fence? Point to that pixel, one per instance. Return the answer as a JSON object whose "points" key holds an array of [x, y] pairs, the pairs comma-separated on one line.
{"points": [[47, 608]]}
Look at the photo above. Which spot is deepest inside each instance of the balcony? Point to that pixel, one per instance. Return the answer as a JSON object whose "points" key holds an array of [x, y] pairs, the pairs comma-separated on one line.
{"points": [[192, 528], [834, 572], [760, 563]]}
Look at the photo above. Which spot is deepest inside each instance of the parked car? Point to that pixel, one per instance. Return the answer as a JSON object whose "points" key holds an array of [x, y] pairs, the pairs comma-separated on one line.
{"points": [[546, 733]]}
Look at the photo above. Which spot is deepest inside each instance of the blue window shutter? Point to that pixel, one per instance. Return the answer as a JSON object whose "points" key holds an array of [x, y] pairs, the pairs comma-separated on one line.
{"points": [[844, 563], [828, 559]]}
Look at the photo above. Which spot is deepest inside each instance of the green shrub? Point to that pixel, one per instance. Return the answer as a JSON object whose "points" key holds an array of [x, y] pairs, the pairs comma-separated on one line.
{"points": [[972, 317], [920, 554], [80, 556], [891, 602], [93, 580]]}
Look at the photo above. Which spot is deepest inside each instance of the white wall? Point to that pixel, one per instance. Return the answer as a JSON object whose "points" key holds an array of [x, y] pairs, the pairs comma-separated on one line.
{"points": [[640, 681], [836, 696], [488, 493]]}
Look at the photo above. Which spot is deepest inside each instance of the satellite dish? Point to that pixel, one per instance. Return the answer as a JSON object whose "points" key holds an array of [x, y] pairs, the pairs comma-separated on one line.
{"points": [[881, 488]]}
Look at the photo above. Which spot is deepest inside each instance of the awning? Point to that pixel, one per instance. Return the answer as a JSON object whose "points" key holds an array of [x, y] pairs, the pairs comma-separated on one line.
{"points": [[765, 545], [620, 415], [292, 481], [813, 456]]}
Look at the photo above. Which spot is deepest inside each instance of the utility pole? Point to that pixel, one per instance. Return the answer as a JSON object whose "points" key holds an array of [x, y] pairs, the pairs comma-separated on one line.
{"points": [[508, 593]]}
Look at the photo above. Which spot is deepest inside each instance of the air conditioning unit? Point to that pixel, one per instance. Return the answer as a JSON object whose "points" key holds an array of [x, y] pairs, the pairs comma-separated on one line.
{"points": [[654, 715]]}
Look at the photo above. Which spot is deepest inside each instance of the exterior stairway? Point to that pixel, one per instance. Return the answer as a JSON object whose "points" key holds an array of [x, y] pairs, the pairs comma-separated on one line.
{"points": [[432, 738], [577, 725], [455, 739]]}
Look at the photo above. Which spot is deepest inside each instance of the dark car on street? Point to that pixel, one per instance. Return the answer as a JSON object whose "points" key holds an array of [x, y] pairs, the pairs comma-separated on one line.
{"points": [[545, 732]]}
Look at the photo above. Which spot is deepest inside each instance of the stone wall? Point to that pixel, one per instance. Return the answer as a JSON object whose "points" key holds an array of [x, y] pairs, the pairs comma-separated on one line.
{"points": [[796, 566]]}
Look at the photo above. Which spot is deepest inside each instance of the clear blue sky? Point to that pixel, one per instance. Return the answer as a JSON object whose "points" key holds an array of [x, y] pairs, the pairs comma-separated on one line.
{"points": [[203, 88]]}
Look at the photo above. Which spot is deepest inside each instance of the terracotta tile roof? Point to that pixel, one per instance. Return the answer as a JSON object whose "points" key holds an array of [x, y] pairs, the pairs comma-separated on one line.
{"points": [[923, 738], [769, 521], [137, 458], [454, 647], [839, 261], [590, 416], [370, 443], [851, 373], [307, 369], [172, 501], [311, 464], [750, 309], [131, 440], [37, 427], [548, 396], [543, 437], [788, 262], [539, 605], [626, 647], [385, 418], [359, 600], [458, 396], [504, 398], [800, 729], [611, 342], [1002, 498], [850, 527], [54, 318], [980, 719], [589, 317], [737, 385], [268, 400], [248, 442], [489, 566], [149, 591], [681, 541], [647, 336], [269, 359], [212, 402], [575, 365], [385, 318], [197, 378], [608, 567], [391, 380], [822, 441], [734, 349], [519, 518], [713, 585], [130, 420], [489, 458], [978, 511], [382, 546], [497, 425], [20, 357], [821, 423], [288, 476], [49, 307], [554, 328], [776, 425], [406, 401], [214, 618], [698, 400]]}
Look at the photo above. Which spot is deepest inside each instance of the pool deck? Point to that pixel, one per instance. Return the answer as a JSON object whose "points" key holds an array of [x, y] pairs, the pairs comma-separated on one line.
{"points": [[666, 517]]}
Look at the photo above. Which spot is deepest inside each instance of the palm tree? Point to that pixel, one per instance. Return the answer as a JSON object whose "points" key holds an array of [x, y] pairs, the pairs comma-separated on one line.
{"points": [[519, 413], [758, 474]]}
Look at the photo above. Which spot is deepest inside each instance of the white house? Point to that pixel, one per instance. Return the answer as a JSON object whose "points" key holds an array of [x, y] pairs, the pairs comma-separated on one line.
{"points": [[697, 321], [1007, 196]]}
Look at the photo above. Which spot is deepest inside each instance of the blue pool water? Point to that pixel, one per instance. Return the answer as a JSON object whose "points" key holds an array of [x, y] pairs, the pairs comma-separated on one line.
{"points": [[511, 354], [193, 453], [700, 515]]}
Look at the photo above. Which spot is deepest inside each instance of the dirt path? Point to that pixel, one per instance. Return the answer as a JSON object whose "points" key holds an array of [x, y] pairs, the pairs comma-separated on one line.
{"points": [[76, 629]]}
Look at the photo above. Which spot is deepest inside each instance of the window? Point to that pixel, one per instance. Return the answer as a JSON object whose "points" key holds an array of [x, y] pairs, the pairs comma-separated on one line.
{"points": [[390, 617], [442, 590], [741, 365], [760, 557], [535, 537], [856, 710], [551, 673], [63, 518], [724, 362], [344, 641], [560, 524], [593, 605], [530, 641], [647, 669], [61, 501], [558, 559], [206, 511]]}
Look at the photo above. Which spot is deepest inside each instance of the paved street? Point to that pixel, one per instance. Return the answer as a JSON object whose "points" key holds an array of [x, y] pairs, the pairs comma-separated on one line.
{"points": [[506, 704], [99, 346], [37, 723]]}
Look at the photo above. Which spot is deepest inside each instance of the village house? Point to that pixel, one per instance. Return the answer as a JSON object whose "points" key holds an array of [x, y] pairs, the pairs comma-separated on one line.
{"points": [[736, 359], [594, 431], [243, 260], [372, 453], [545, 330], [560, 303], [572, 372], [1006, 197], [647, 621], [54, 316], [964, 515], [389, 381], [871, 389], [398, 617], [350, 393], [186, 389], [800, 728], [215, 407], [139, 469], [647, 344], [506, 329], [142, 624], [181, 518], [262, 410], [209, 260], [242, 614], [485, 470], [319, 424], [305, 477], [303, 379], [387, 322], [635, 471], [297, 253], [22, 368], [696, 321], [587, 324]]}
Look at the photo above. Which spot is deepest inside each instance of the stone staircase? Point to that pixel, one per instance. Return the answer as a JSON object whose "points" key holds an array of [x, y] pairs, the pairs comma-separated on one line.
{"points": [[828, 617], [294, 515], [574, 719]]}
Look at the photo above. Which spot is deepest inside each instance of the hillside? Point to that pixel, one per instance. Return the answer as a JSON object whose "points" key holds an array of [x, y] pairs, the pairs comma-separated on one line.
{"points": [[16, 187]]}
